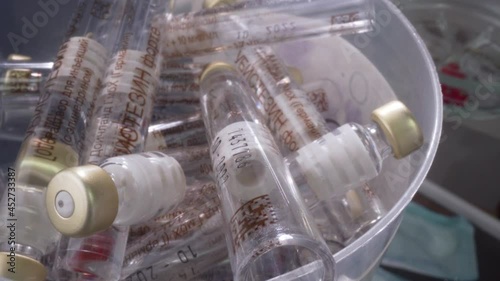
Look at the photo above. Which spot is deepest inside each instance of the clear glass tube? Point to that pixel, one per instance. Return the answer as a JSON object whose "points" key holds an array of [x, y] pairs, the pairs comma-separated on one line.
{"points": [[290, 114], [16, 111], [265, 215], [195, 227], [248, 23], [221, 272], [176, 97], [123, 115], [55, 137], [176, 133]]}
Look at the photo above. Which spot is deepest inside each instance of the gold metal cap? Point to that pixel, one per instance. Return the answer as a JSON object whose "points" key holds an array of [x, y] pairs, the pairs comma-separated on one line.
{"points": [[208, 4], [400, 128], [296, 75], [215, 66], [18, 57], [24, 269], [82, 201]]}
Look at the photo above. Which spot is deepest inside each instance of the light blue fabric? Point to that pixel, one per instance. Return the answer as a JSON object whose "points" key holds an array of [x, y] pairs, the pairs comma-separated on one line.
{"points": [[434, 245]]}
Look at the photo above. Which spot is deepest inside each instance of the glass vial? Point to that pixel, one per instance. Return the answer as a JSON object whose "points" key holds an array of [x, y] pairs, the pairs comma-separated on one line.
{"points": [[270, 234]]}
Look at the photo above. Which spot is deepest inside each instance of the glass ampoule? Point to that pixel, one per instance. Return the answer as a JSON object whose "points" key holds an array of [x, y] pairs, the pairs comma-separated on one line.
{"points": [[248, 23], [120, 126], [55, 137], [266, 218], [296, 122]]}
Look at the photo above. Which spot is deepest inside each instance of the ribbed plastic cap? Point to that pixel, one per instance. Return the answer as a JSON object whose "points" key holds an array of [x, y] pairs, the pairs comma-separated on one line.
{"points": [[26, 269], [400, 128], [82, 201], [208, 4], [215, 66]]}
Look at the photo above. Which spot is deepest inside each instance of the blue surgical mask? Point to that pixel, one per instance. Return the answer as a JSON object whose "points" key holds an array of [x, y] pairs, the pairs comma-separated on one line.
{"points": [[431, 244]]}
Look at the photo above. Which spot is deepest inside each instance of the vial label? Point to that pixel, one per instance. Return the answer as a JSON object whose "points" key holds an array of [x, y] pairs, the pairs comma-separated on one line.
{"points": [[199, 206], [240, 154], [197, 34], [186, 261], [254, 216], [318, 97], [290, 114], [127, 100], [172, 87], [239, 161], [67, 104], [125, 106], [201, 198], [186, 134]]}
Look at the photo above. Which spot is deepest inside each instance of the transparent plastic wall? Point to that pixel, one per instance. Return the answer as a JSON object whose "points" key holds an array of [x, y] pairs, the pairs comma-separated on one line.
{"points": [[400, 55]]}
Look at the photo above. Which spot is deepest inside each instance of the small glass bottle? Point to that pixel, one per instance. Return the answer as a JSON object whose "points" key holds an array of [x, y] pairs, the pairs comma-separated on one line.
{"points": [[296, 122], [240, 24], [337, 166], [269, 233], [88, 199], [393, 131]]}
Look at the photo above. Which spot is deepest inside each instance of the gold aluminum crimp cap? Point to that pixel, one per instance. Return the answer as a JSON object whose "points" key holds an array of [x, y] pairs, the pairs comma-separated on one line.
{"points": [[296, 75], [400, 128], [22, 269], [82, 201], [208, 4], [215, 66]]}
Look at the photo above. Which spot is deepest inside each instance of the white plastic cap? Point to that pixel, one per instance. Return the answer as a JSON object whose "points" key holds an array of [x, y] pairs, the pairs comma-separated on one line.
{"points": [[336, 162], [148, 184]]}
